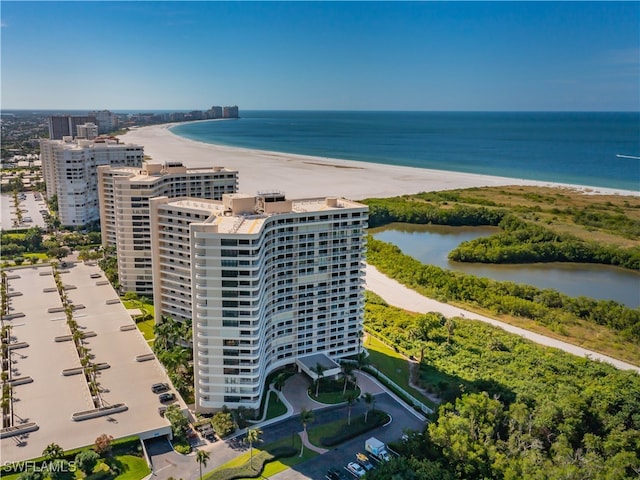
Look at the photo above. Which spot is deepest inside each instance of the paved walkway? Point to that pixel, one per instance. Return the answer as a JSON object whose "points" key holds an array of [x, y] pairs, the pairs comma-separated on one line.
{"points": [[400, 296], [305, 441]]}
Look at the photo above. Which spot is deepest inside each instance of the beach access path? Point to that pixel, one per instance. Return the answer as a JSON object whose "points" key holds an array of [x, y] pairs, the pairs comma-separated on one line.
{"points": [[396, 294], [302, 176]]}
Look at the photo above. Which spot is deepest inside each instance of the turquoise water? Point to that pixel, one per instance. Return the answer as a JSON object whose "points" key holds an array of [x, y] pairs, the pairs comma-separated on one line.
{"points": [[593, 149]]}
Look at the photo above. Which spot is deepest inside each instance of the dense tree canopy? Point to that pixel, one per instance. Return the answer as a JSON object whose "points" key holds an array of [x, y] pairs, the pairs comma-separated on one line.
{"points": [[522, 242], [513, 409]]}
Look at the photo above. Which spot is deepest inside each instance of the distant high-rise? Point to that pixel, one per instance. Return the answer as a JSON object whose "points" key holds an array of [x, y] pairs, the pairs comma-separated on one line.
{"points": [[88, 131], [69, 170], [216, 112], [230, 112], [107, 122], [61, 126], [125, 193], [266, 281]]}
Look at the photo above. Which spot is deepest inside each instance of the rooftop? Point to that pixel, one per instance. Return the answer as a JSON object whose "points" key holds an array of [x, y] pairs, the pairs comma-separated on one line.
{"points": [[223, 214], [52, 398]]}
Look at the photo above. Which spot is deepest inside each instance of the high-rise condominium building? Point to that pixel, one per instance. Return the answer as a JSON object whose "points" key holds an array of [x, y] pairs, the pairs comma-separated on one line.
{"points": [[88, 131], [61, 126], [69, 169], [266, 281], [230, 112], [107, 122], [124, 210]]}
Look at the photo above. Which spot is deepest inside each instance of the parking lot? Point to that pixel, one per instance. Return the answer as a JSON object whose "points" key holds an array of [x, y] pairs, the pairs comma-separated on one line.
{"points": [[31, 205], [51, 397], [339, 457]]}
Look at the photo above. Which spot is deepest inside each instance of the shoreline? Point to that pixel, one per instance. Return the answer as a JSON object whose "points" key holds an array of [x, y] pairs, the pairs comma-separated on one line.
{"points": [[300, 176]]}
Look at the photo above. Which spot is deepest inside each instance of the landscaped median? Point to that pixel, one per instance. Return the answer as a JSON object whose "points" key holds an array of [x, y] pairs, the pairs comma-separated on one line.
{"points": [[339, 431]]}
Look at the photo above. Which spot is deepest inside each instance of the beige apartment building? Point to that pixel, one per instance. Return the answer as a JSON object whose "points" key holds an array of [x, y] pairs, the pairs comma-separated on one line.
{"points": [[267, 282], [124, 210], [69, 170]]}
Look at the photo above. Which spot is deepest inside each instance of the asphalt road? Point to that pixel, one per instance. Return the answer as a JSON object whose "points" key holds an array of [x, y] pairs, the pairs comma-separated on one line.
{"points": [[315, 469]]}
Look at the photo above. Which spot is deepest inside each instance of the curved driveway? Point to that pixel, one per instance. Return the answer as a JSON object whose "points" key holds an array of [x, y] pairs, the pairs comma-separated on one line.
{"points": [[396, 294], [167, 463]]}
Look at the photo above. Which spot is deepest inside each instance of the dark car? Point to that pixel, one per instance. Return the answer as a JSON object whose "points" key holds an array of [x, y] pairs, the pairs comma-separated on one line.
{"points": [[335, 474], [167, 397], [158, 387]]}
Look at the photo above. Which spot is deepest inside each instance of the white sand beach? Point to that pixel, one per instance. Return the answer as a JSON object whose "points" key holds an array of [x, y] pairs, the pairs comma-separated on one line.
{"points": [[300, 176]]}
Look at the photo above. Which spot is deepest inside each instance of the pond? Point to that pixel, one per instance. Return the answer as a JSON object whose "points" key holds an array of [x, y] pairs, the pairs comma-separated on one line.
{"points": [[432, 243]]}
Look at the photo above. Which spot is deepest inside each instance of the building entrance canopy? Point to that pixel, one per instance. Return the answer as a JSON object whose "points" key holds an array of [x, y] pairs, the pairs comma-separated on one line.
{"points": [[309, 365]]}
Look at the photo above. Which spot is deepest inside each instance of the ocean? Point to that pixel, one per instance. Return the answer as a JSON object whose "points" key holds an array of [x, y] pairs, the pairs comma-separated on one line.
{"points": [[592, 149]]}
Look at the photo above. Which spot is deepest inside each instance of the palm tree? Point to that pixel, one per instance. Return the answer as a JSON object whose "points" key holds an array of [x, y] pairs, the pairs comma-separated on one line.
{"points": [[280, 380], [253, 436], [347, 370], [362, 360], [319, 371], [369, 399], [450, 325], [201, 458], [351, 397], [306, 417], [53, 451], [422, 331]]}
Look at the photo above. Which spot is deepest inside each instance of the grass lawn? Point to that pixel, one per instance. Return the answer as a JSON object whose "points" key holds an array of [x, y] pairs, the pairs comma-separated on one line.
{"points": [[270, 468], [327, 430], [275, 407], [332, 397], [146, 328], [131, 468], [393, 365], [126, 457]]}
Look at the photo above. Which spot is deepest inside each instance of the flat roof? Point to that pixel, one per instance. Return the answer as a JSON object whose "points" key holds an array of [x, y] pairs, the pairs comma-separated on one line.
{"points": [[140, 175], [52, 398], [253, 222], [308, 364]]}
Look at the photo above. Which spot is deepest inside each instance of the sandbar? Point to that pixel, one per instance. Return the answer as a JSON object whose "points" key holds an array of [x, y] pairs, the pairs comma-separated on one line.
{"points": [[303, 176]]}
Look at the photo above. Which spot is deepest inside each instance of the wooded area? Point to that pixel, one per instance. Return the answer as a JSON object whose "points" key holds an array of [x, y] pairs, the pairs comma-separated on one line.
{"points": [[513, 409], [537, 224]]}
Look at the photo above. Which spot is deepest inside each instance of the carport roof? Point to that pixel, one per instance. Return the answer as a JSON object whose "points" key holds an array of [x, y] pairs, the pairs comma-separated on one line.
{"points": [[51, 399]]}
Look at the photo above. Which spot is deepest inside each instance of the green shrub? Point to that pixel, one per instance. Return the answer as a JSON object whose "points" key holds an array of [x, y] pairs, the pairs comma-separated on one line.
{"points": [[223, 424], [182, 449]]}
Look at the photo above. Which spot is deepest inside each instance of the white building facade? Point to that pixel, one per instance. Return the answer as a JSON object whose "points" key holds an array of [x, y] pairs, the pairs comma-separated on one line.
{"points": [[70, 171], [124, 195], [265, 280]]}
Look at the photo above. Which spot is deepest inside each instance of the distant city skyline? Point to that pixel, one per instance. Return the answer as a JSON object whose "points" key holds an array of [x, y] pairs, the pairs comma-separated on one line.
{"points": [[503, 56]]}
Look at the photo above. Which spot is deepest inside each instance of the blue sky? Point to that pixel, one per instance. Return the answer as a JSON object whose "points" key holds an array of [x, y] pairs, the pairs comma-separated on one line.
{"points": [[568, 56]]}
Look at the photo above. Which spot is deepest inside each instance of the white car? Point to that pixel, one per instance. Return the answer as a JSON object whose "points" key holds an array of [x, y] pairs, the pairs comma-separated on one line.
{"points": [[356, 469]]}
